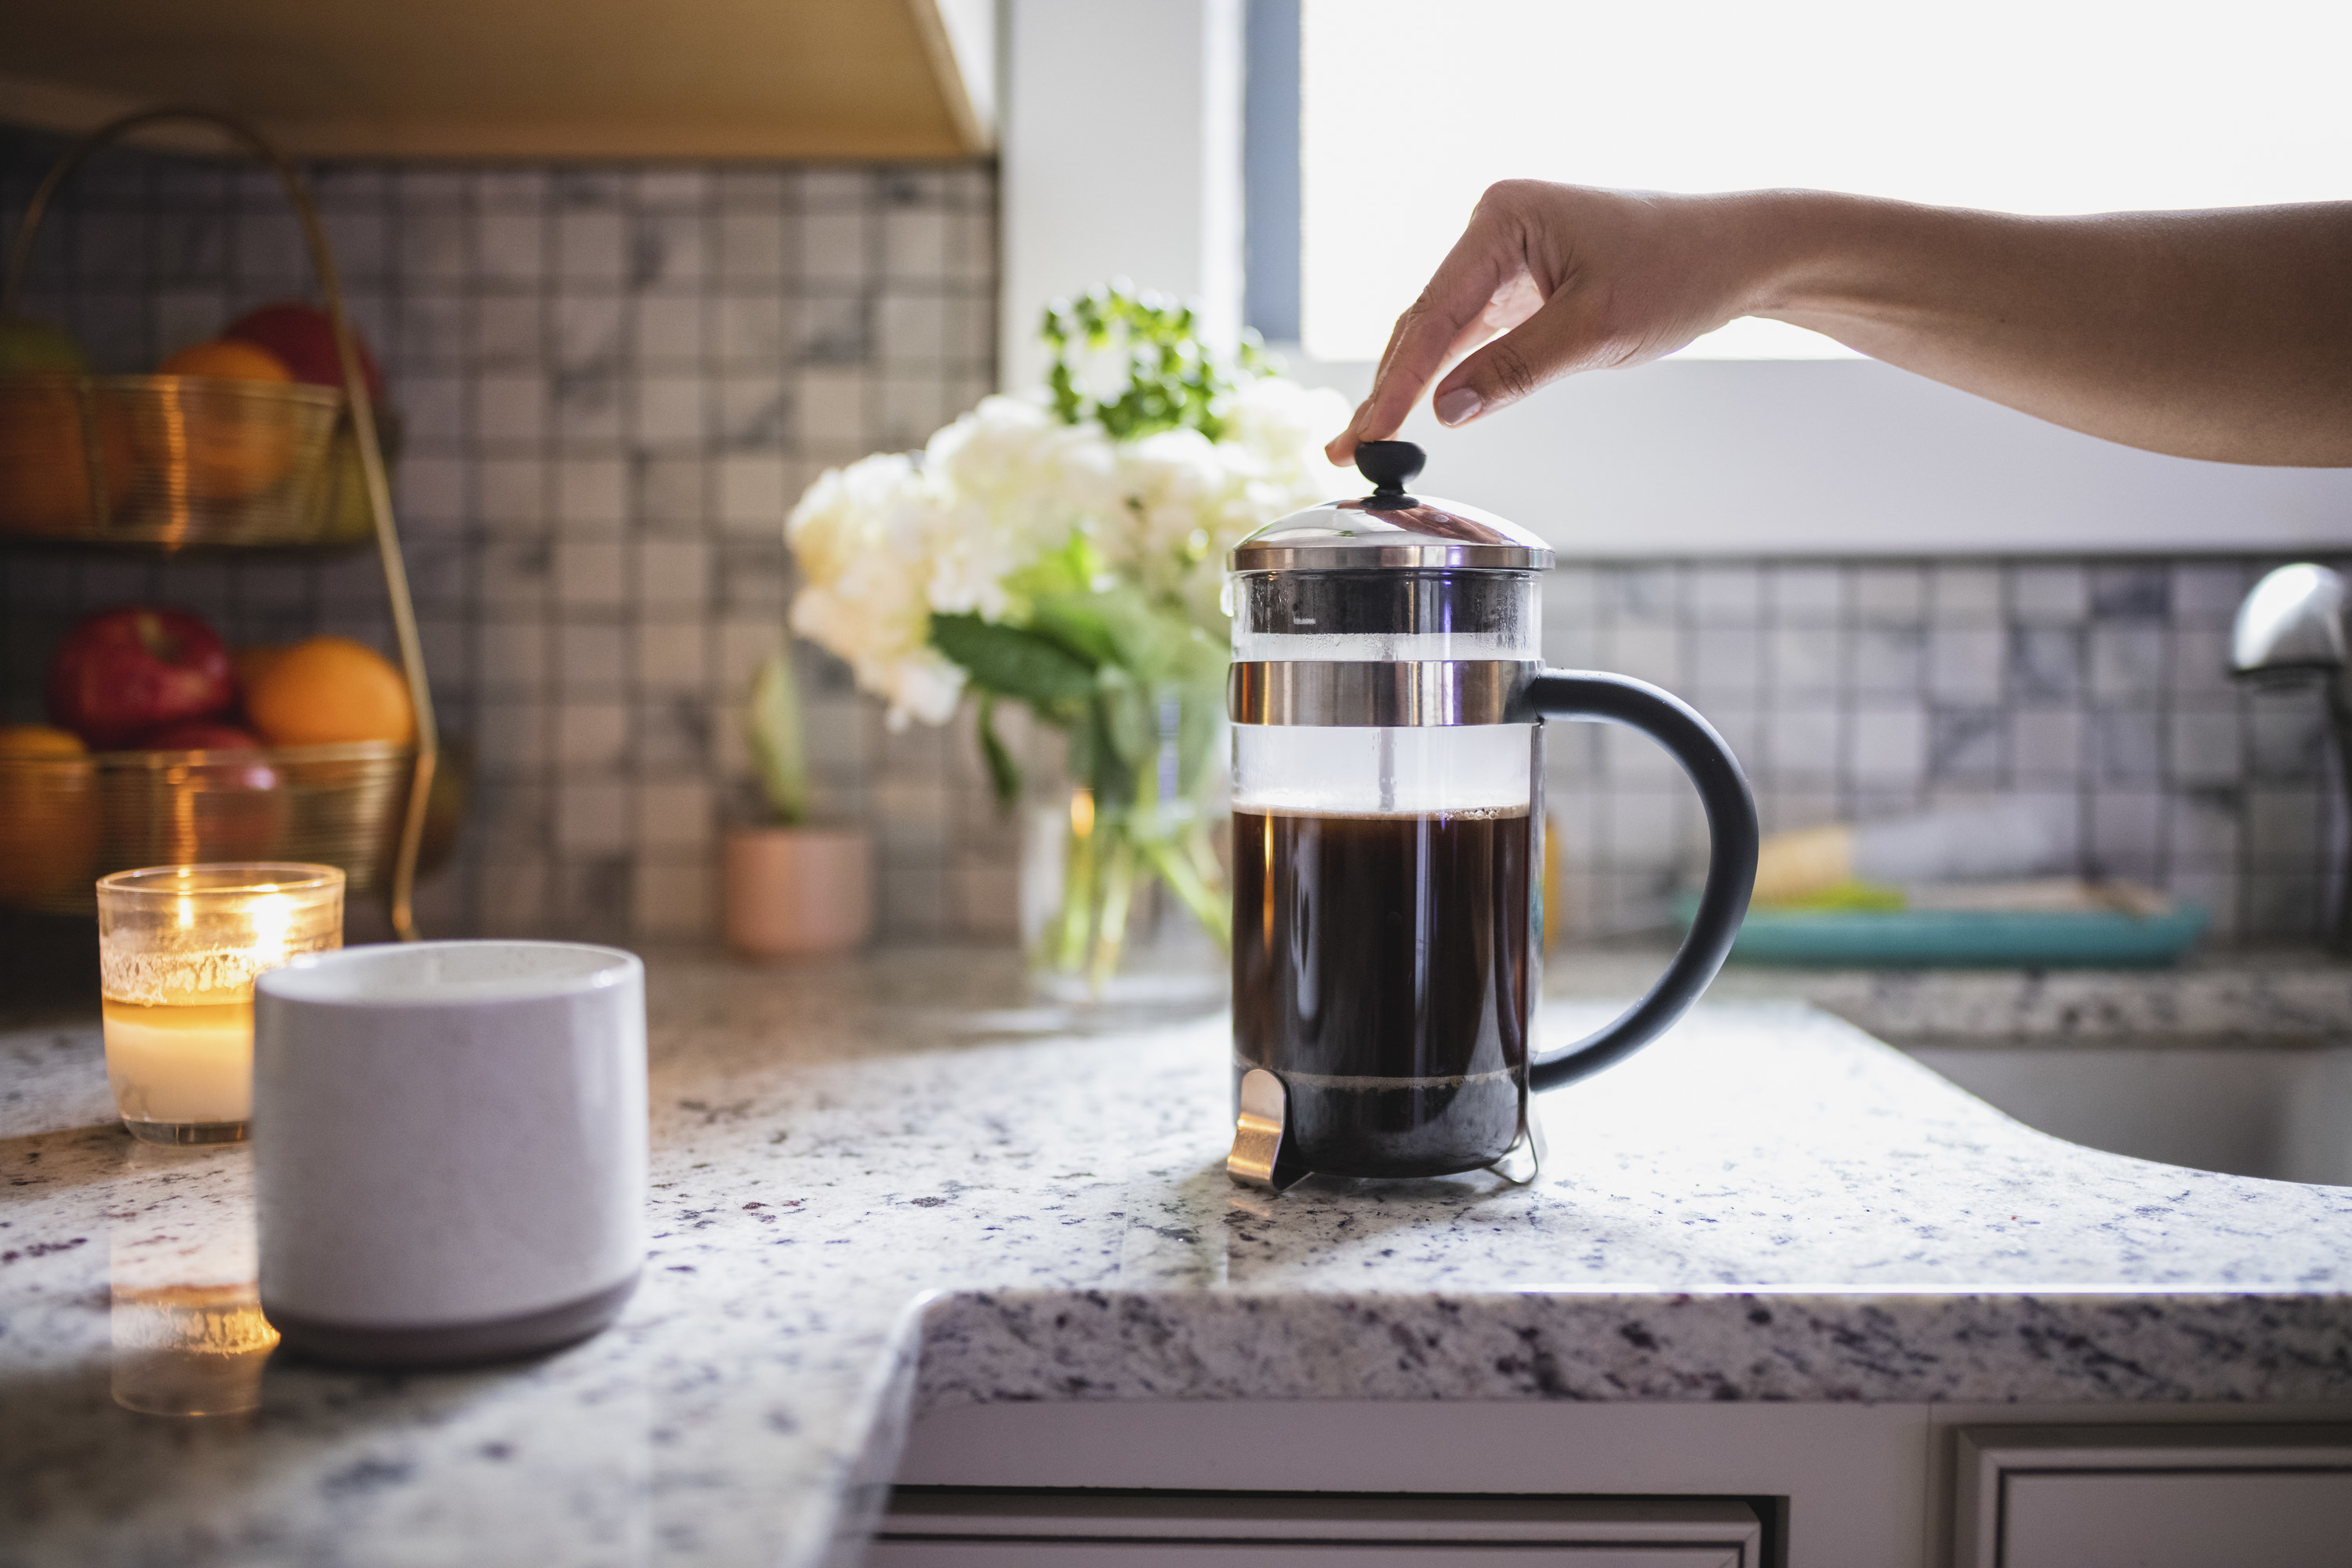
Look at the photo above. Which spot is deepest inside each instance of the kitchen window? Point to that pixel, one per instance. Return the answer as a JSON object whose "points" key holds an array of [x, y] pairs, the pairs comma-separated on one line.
{"points": [[1373, 125]]}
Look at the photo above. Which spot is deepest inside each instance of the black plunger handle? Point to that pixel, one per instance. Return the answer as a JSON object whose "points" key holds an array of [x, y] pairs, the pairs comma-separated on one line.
{"points": [[1731, 864], [1390, 465]]}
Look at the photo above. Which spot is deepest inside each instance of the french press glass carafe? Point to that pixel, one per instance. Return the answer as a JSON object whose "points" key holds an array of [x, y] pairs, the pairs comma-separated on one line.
{"points": [[1387, 698]]}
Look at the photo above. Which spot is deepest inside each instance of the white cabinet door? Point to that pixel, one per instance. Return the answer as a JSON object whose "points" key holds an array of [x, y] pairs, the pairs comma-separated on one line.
{"points": [[888, 1552], [2154, 1497], [963, 1529], [2261, 1519]]}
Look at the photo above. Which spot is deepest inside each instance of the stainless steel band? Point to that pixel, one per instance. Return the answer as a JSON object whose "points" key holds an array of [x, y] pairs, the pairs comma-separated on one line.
{"points": [[1333, 695], [1387, 552]]}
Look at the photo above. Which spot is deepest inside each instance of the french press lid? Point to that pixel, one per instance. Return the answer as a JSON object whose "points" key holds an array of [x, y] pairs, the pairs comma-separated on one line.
{"points": [[1389, 529]]}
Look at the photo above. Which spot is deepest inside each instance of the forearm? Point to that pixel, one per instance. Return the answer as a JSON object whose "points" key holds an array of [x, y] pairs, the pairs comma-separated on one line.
{"points": [[2225, 334]]}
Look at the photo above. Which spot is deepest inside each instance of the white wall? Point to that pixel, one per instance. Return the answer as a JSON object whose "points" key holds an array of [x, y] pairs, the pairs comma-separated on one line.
{"points": [[1841, 457], [1121, 147]]}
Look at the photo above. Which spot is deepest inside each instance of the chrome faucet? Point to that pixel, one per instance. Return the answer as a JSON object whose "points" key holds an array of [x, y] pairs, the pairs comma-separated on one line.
{"points": [[2290, 632]]}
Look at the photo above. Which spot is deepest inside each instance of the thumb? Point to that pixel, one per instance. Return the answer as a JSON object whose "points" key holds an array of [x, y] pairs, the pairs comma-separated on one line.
{"points": [[1558, 340]]}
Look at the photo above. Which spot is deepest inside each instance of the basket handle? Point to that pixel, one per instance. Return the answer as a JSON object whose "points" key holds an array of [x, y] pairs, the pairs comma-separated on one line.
{"points": [[401, 898]]}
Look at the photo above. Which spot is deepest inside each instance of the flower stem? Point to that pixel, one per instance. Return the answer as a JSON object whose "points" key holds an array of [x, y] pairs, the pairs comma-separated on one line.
{"points": [[1178, 865], [1114, 892], [1067, 942]]}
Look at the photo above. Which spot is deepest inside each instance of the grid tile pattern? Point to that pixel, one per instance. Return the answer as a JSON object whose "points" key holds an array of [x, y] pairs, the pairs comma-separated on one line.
{"points": [[1856, 690], [615, 382]]}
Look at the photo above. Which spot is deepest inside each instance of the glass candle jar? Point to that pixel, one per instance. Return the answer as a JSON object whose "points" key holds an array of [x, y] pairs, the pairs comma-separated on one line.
{"points": [[179, 947]]}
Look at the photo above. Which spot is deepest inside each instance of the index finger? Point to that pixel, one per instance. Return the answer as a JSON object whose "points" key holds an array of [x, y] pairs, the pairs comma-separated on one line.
{"points": [[1433, 330]]}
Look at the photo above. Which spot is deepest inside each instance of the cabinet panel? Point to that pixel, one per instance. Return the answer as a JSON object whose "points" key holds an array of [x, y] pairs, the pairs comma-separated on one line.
{"points": [[2152, 1497], [2172, 1519], [974, 1528], [520, 79], [904, 1554]]}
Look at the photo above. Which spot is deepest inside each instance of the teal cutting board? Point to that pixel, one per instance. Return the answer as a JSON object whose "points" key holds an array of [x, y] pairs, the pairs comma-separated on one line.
{"points": [[1961, 939]]}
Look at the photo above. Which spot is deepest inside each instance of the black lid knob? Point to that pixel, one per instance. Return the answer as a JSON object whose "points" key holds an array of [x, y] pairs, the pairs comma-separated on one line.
{"points": [[1390, 465]]}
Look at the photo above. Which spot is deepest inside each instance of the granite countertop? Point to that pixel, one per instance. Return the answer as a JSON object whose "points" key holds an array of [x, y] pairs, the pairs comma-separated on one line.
{"points": [[872, 1195]]}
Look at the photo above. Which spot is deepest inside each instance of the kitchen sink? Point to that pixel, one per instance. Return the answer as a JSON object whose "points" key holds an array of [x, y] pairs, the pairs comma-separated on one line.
{"points": [[2281, 1111]]}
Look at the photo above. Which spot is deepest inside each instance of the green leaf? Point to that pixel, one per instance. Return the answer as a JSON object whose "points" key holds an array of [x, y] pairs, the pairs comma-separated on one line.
{"points": [[1010, 662], [1175, 380], [1199, 730], [772, 730], [1003, 772], [1080, 761], [1072, 569], [1118, 626], [1080, 623], [1129, 723], [1104, 746]]}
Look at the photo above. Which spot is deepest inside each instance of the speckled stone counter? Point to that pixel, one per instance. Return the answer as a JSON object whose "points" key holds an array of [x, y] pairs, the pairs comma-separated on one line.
{"points": [[871, 1197]]}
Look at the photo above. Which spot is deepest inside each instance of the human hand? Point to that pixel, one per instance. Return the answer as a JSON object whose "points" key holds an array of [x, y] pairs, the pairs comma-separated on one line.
{"points": [[2223, 335], [1572, 278]]}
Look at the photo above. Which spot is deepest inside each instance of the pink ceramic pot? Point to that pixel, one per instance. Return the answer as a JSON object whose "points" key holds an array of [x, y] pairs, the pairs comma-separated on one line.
{"points": [[799, 892]]}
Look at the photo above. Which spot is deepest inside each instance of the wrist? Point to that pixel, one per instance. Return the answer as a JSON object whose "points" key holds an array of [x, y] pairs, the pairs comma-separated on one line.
{"points": [[1794, 248]]}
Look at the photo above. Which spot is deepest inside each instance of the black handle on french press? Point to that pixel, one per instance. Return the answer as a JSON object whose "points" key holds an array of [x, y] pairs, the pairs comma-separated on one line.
{"points": [[1731, 866], [1390, 466]]}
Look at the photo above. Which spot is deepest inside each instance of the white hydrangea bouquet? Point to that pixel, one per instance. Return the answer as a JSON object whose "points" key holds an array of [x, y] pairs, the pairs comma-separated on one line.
{"points": [[1068, 553]]}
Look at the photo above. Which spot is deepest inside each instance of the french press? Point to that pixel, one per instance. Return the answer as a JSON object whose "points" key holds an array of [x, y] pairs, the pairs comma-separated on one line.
{"points": [[1388, 698]]}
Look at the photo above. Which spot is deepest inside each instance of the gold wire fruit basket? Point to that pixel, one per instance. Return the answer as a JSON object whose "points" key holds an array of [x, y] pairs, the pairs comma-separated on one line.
{"points": [[178, 460], [184, 461], [67, 821]]}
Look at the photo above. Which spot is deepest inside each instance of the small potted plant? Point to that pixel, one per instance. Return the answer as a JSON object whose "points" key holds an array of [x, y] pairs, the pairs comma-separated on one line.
{"points": [[792, 889]]}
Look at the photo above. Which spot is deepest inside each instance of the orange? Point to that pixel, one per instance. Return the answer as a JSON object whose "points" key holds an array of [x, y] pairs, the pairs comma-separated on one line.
{"points": [[226, 359], [48, 813], [329, 688], [39, 740], [223, 446], [45, 460]]}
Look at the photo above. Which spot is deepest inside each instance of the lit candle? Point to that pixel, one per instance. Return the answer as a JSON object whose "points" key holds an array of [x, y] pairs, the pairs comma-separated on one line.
{"points": [[178, 950]]}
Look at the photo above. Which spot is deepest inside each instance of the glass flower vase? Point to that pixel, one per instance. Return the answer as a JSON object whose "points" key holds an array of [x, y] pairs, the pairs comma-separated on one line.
{"points": [[1124, 905]]}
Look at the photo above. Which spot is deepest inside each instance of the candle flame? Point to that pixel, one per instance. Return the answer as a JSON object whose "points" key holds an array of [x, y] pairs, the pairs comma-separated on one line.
{"points": [[272, 917]]}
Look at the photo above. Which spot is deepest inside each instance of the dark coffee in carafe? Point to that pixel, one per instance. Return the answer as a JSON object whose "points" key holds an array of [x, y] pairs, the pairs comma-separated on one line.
{"points": [[1381, 966]]}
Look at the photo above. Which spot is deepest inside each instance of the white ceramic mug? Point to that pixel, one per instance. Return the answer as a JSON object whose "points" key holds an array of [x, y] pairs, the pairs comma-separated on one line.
{"points": [[449, 1143]]}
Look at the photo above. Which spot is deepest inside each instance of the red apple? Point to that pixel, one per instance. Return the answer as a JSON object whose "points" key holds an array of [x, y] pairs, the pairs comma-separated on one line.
{"points": [[304, 336], [200, 736], [125, 672]]}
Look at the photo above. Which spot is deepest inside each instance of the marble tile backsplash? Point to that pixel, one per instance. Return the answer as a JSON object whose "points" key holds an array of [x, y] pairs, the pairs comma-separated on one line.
{"points": [[1862, 689], [614, 381]]}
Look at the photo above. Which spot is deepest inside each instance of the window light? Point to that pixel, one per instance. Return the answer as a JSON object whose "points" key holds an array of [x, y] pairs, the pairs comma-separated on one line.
{"points": [[1410, 108]]}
